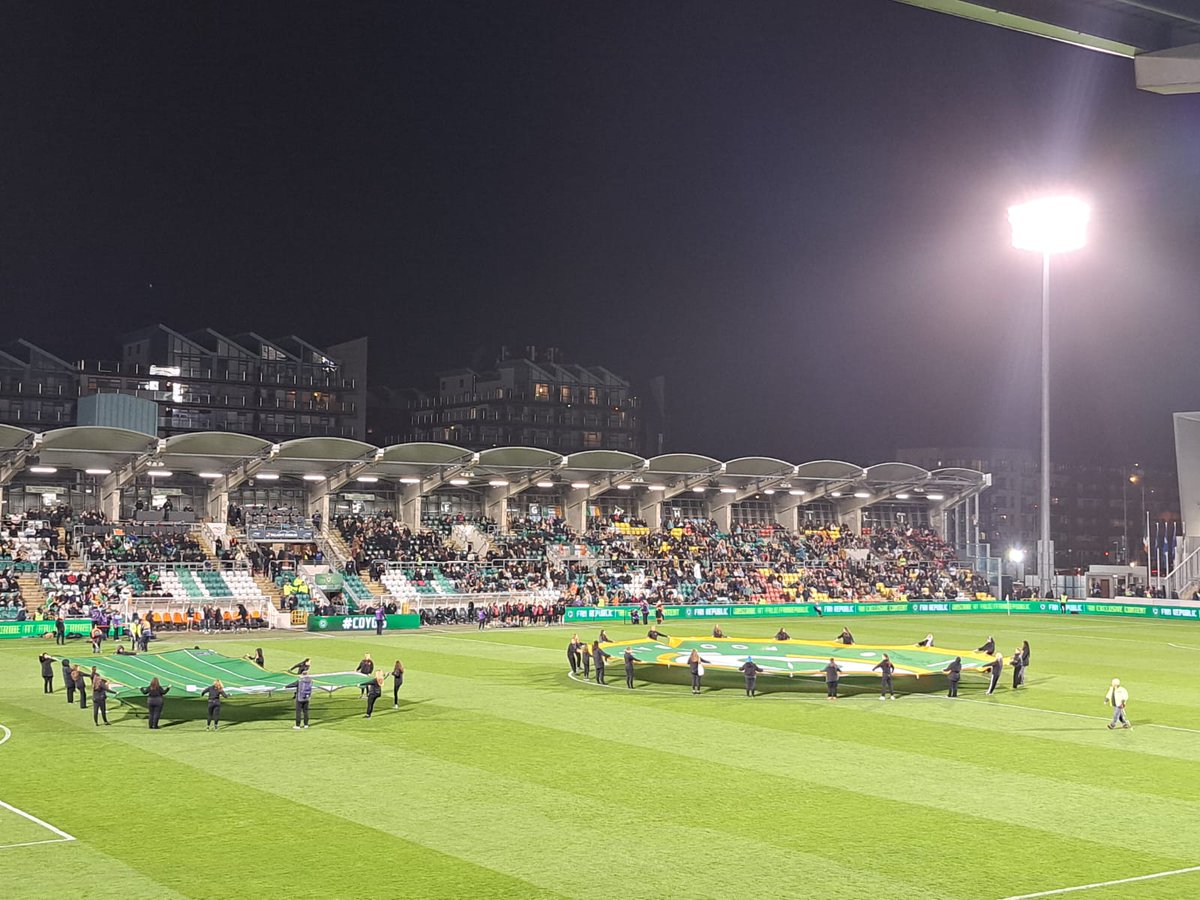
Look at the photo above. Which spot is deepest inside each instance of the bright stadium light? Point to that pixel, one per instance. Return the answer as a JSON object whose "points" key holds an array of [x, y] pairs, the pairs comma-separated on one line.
{"points": [[314, 477], [410, 480], [210, 475], [159, 473], [580, 485], [835, 493], [459, 482], [902, 496], [796, 493], [935, 496], [367, 479], [698, 490], [769, 491], [624, 487], [497, 482], [97, 471], [728, 490], [42, 470], [861, 495], [545, 485], [267, 476], [1016, 555], [1048, 226], [658, 487]]}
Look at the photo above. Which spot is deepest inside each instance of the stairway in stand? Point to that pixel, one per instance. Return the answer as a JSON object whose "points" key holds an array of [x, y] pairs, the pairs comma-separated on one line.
{"points": [[32, 594]]}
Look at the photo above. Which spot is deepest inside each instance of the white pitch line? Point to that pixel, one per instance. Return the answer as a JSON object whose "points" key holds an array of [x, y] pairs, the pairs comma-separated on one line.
{"points": [[35, 843], [1101, 884], [1182, 646], [61, 834], [7, 734]]}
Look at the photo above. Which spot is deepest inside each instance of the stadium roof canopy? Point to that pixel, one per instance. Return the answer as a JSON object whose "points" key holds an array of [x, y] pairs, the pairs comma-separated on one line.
{"points": [[1161, 36], [336, 461]]}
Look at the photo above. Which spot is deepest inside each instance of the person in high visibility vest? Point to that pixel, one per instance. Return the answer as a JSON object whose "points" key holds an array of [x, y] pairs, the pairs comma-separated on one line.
{"points": [[1117, 697]]}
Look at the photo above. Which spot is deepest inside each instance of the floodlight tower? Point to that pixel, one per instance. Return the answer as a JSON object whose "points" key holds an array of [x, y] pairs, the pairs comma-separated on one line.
{"points": [[1048, 226]]}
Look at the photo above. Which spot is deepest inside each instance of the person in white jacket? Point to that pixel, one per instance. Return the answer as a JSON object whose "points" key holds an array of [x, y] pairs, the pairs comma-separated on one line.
{"points": [[1118, 697]]}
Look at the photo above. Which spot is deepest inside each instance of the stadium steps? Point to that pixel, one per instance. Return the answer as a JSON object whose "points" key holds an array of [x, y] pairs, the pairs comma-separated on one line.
{"points": [[32, 594], [270, 589]]}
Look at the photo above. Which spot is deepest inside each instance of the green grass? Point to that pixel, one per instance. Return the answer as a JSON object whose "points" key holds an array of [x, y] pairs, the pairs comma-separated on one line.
{"points": [[501, 777]]}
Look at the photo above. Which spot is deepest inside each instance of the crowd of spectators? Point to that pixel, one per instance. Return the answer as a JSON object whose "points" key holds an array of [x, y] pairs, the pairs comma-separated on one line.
{"points": [[166, 547], [680, 561]]}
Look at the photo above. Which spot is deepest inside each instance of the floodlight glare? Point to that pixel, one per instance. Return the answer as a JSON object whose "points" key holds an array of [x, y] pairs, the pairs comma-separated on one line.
{"points": [[410, 480], [728, 490], [545, 484], [367, 479], [861, 495], [314, 477], [97, 471], [210, 475], [1016, 555], [267, 476], [459, 482], [580, 485], [1049, 225], [159, 473], [497, 482], [42, 470]]}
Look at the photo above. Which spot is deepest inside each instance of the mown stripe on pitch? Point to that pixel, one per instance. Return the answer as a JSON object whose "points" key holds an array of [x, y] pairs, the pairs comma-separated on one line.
{"points": [[256, 821], [1131, 819], [840, 826]]}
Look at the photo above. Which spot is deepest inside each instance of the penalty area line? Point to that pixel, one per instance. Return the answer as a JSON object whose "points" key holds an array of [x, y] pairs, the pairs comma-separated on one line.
{"points": [[7, 734], [1181, 646], [1103, 884], [62, 835]]}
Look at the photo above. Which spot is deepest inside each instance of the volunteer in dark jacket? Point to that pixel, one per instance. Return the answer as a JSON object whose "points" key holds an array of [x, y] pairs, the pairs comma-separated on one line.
{"points": [[154, 700], [215, 691]]}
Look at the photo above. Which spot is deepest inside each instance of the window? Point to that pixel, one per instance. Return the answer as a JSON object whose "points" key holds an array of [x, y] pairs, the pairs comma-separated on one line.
{"points": [[591, 439], [592, 396], [541, 392], [564, 394]]}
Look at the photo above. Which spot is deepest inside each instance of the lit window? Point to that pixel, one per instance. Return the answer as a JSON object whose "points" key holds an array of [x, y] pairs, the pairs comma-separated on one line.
{"points": [[541, 392]]}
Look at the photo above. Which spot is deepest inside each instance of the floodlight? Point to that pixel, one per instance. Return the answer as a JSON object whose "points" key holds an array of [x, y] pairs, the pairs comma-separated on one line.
{"points": [[1049, 225]]}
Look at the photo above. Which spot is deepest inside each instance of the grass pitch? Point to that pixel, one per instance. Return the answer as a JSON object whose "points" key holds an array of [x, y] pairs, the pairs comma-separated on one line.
{"points": [[499, 776]]}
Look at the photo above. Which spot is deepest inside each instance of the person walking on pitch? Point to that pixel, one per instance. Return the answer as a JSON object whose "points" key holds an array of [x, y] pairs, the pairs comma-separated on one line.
{"points": [[1017, 661], [374, 689], [751, 669], [885, 668], [47, 662], [598, 658], [304, 689], [996, 666], [365, 667], [832, 673], [215, 692], [397, 681], [154, 700], [81, 684], [1117, 697], [696, 665], [629, 659], [99, 698], [953, 673], [573, 653]]}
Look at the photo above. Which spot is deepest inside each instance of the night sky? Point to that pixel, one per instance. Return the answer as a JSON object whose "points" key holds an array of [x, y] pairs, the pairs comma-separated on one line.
{"points": [[793, 210]]}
